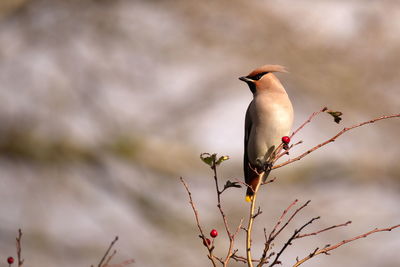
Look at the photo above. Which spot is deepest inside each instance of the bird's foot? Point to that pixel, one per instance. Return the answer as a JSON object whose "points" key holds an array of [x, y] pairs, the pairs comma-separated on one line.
{"points": [[264, 165], [267, 166]]}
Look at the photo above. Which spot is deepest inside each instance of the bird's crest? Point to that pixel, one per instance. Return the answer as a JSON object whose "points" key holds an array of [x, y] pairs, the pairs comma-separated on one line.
{"points": [[267, 68]]}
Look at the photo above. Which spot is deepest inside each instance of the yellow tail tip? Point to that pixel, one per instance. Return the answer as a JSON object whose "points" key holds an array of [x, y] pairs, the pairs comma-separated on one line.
{"points": [[249, 198]]}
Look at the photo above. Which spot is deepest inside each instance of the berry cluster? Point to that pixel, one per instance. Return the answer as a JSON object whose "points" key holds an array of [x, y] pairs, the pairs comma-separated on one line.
{"points": [[213, 234]]}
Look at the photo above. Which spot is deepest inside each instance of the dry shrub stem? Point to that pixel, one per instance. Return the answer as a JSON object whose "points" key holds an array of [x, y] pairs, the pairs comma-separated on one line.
{"points": [[252, 216], [329, 248], [109, 258], [102, 263], [332, 139], [290, 219], [277, 229], [196, 215], [312, 116], [289, 242], [18, 244], [231, 235], [271, 237], [325, 229]]}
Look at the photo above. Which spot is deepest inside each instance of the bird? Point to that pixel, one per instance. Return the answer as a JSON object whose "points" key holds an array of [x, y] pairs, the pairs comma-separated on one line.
{"points": [[269, 117]]}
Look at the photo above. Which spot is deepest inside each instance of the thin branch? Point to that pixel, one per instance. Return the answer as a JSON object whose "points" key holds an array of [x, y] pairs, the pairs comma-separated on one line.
{"points": [[279, 148], [109, 258], [289, 242], [214, 168], [243, 183], [224, 218], [108, 251], [231, 243], [267, 245], [121, 264], [220, 260], [259, 211], [196, 215], [271, 237], [282, 216], [329, 248], [242, 259], [290, 219], [239, 258], [251, 220], [308, 121], [18, 244], [332, 139], [286, 152], [239, 227], [323, 230], [269, 181]]}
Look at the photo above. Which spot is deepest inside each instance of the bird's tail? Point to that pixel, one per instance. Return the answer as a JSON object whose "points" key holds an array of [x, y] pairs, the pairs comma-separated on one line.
{"points": [[254, 183]]}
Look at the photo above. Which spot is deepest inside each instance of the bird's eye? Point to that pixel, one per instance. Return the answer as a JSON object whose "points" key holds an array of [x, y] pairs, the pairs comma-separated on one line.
{"points": [[257, 76]]}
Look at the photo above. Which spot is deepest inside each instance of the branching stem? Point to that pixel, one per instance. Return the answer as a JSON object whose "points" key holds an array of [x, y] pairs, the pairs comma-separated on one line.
{"points": [[329, 248], [332, 139]]}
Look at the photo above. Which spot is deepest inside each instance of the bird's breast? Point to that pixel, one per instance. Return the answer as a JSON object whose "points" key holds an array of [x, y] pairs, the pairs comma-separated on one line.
{"points": [[272, 118]]}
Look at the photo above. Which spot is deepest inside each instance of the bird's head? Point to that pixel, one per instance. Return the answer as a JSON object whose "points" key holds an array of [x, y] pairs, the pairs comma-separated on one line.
{"points": [[262, 77]]}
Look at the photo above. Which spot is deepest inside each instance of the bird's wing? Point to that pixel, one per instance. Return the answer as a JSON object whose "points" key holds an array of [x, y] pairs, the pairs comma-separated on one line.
{"points": [[247, 129], [251, 176]]}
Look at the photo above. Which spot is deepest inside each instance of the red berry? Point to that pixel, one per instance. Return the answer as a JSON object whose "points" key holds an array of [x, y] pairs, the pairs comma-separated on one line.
{"points": [[10, 260], [213, 233], [206, 240], [286, 139]]}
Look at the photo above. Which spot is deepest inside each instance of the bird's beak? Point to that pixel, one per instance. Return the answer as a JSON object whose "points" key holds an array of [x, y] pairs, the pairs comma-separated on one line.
{"points": [[245, 79]]}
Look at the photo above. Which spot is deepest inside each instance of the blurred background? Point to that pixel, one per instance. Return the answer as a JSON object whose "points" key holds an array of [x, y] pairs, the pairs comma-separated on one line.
{"points": [[105, 104]]}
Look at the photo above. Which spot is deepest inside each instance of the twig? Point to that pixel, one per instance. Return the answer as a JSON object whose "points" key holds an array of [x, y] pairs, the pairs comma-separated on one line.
{"points": [[196, 215], [121, 264], [279, 148], [243, 183], [270, 238], [286, 152], [329, 248], [332, 139], [323, 230], [289, 242], [231, 243], [259, 211], [308, 121], [109, 258], [108, 251], [251, 220], [241, 258], [269, 181], [18, 244], [281, 218], [267, 245], [290, 219], [224, 218], [228, 232]]}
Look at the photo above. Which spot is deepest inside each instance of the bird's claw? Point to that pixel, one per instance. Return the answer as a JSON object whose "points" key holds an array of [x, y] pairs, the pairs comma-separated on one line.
{"points": [[264, 165], [267, 166]]}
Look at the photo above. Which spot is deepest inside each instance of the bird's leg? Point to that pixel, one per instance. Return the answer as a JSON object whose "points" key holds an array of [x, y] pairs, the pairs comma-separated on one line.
{"points": [[267, 166], [263, 165]]}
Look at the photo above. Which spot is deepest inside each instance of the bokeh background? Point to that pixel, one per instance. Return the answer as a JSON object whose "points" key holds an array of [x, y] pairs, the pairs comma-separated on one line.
{"points": [[105, 104]]}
